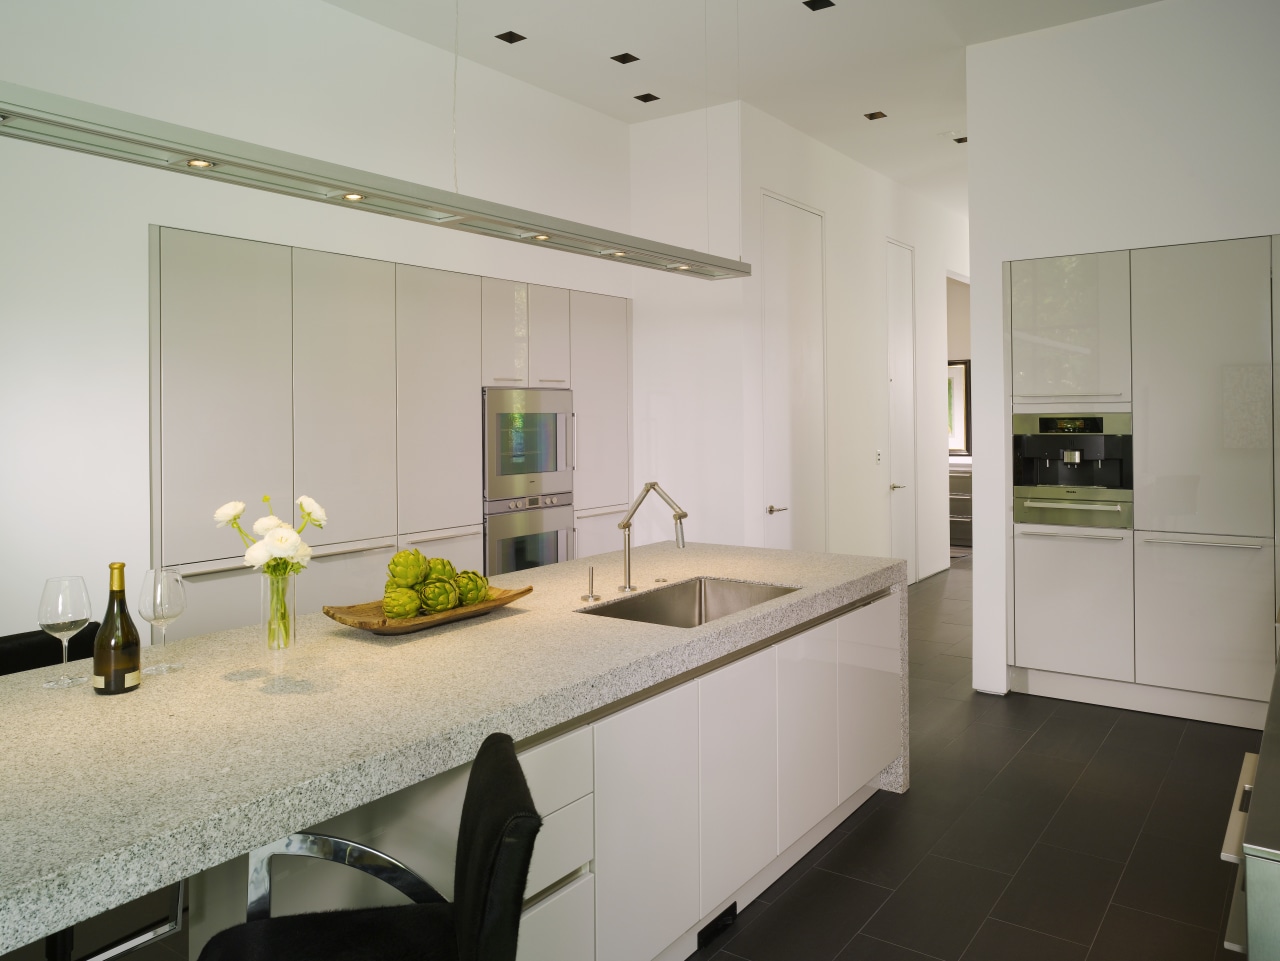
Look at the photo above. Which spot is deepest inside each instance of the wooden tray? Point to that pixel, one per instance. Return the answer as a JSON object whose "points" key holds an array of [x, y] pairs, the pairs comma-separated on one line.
{"points": [[369, 617]]}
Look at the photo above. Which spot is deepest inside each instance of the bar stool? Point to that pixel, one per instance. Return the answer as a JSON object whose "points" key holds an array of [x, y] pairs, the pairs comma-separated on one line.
{"points": [[32, 649], [495, 843]]}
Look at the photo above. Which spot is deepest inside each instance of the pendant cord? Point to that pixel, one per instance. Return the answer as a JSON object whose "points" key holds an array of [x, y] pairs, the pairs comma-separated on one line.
{"points": [[706, 108], [456, 6], [737, 89]]}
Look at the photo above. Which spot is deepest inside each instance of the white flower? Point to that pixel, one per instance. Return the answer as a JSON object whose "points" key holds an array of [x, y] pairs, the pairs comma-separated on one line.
{"points": [[282, 541], [264, 524], [312, 511], [228, 513], [303, 554], [257, 554]]}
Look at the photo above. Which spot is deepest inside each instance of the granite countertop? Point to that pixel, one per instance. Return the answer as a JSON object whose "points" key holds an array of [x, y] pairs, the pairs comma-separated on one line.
{"points": [[108, 798]]}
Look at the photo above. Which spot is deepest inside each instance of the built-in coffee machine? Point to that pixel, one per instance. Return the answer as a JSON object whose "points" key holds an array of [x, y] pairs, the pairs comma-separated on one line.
{"points": [[1073, 469]]}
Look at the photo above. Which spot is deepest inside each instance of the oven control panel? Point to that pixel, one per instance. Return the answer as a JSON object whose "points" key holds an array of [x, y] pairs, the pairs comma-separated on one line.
{"points": [[532, 502]]}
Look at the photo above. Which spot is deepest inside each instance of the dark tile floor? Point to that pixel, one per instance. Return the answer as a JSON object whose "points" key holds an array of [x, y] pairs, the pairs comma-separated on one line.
{"points": [[1034, 829]]}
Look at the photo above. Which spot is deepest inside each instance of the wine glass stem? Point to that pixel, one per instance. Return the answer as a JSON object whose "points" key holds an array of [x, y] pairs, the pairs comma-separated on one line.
{"points": [[65, 642]]}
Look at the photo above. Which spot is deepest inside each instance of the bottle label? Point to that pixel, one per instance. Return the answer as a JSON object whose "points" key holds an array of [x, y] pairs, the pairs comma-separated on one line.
{"points": [[99, 681], [133, 679]]}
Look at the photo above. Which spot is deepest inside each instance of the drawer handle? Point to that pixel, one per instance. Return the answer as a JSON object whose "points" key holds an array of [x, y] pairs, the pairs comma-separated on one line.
{"points": [[353, 550], [1091, 537], [550, 380], [445, 536], [961, 517], [1069, 394], [1066, 506], [1162, 540], [510, 380]]}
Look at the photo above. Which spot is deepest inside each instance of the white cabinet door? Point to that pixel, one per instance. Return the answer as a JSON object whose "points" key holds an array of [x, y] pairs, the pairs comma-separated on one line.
{"points": [[440, 448], [807, 754], [601, 345], [227, 596], [505, 326], [342, 574], [1202, 388], [226, 395], [869, 690], [344, 393], [561, 928], [1073, 600], [1205, 613], [1071, 328], [738, 744], [463, 547], [549, 355], [597, 533], [646, 763]]}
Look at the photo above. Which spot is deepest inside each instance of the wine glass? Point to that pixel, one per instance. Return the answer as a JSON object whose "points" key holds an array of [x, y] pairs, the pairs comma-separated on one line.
{"points": [[162, 599], [64, 610]]}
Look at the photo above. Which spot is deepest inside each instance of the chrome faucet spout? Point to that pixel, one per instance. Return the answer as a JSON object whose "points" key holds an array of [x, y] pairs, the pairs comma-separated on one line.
{"points": [[624, 525]]}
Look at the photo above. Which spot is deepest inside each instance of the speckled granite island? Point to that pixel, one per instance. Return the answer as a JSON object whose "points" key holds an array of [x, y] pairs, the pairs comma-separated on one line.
{"points": [[106, 799]]}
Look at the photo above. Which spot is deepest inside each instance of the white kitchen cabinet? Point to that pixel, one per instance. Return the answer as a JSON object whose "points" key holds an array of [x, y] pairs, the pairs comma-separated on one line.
{"points": [[601, 347], [738, 747], [226, 394], [1202, 446], [1070, 319], [342, 574], [1073, 610], [646, 867], [505, 332], [463, 546], [344, 393], [439, 445], [549, 355], [561, 927], [807, 717], [869, 691], [1205, 610], [596, 532], [220, 596]]}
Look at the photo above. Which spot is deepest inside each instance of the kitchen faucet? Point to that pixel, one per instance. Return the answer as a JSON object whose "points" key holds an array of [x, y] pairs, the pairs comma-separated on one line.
{"points": [[625, 526]]}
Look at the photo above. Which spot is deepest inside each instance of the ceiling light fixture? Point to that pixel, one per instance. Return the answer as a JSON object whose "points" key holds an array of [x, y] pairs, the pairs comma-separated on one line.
{"points": [[876, 115], [647, 97], [962, 139], [510, 37], [680, 266], [819, 4], [619, 253], [353, 197], [39, 117], [199, 164], [625, 58]]}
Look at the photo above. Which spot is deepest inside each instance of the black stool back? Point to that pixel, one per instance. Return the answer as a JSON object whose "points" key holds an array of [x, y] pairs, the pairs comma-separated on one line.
{"points": [[32, 649]]}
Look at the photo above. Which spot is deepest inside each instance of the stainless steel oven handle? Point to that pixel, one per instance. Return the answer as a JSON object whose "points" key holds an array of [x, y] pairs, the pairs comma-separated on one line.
{"points": [[1067, 506], [1162, 540], [1069, 395], [1088, 537]]}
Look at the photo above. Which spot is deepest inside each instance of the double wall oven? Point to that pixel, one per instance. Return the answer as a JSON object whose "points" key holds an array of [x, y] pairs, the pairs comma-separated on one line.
{"points": [[528, 478]]}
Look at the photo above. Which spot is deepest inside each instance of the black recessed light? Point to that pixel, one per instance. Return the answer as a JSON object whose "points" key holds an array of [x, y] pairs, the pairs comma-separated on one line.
{"points": [[511, 37], [876, 115], [647, 97], [819, 4], [962, 139], [625, 58]]}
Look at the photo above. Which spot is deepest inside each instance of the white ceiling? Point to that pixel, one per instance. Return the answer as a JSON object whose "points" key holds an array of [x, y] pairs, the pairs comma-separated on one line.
{"points": [[818, 71]]}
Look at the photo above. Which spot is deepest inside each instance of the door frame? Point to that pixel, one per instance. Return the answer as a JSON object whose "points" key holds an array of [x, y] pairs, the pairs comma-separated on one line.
{"points": [[913, 485]]}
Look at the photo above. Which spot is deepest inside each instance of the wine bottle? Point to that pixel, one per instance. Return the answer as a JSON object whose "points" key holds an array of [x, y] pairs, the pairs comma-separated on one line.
{"points": [[117, 655]]}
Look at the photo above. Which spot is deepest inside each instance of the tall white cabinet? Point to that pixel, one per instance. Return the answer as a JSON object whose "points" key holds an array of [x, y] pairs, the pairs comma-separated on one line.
{"points": [[505, 326]]}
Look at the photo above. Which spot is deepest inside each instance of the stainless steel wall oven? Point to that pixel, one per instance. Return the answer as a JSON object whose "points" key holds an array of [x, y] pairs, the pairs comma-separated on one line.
{"points": [[1073, 469]]}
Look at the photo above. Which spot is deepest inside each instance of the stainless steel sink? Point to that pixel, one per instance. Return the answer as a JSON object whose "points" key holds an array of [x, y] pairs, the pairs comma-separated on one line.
{"points": [[691, 603]]}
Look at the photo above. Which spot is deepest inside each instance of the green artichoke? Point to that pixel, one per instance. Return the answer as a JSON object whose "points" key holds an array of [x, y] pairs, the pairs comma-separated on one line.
{"points": [[408, 568], [438, 595], [400, 602], [440, 569], [472, 587]]}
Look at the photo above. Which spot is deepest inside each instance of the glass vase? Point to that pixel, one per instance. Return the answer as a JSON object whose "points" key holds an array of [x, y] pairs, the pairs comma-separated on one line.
{"points": [[279, 621]]}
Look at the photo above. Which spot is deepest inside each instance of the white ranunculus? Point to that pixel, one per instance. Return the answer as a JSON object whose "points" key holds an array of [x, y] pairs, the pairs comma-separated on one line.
{"points": [[312, 511], [257, 554], [268, 523], [303, 553], [281, 541], [228, 512]]}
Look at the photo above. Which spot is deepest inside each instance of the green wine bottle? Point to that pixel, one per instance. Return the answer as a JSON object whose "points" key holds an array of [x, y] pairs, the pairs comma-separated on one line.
{"points": [[117, 655]]}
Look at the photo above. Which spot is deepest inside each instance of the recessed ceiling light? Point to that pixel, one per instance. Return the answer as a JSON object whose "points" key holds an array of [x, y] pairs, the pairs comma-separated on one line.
{"points": [[200, 164], [625, 58], [619, 253], [353, 197], [511, 37], [876, 115], [680, 266], [819, 4], [541, 237], [647, 97], [962, 139]]}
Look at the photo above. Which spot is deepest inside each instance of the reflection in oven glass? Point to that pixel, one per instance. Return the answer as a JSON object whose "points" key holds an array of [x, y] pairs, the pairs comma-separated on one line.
{"points": [[529, 550], [527, 443]]}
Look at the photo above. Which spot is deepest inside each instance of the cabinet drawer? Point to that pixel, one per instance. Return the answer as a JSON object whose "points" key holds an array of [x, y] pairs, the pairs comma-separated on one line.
{"points": [[961, 482], [561, 928], [560, 771], [565, 843]]}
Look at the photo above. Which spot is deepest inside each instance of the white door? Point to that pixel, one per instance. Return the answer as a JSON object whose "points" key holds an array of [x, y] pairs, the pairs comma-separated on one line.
{"points": [[900, 304], [794, 420]]}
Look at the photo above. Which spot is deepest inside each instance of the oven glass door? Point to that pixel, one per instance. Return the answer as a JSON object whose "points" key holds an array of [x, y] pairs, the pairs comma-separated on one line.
{"points": [[528, 444], [520, 540]]}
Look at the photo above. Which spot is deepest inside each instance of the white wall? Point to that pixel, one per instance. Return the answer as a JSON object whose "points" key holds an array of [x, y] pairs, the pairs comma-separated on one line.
{"points": [[714, 341], [1157, 125], [299, 76], [957, 319]]}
